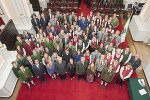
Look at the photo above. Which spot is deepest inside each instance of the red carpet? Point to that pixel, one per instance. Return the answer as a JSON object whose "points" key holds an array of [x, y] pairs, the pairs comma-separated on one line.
{"points": [[74, 90]]}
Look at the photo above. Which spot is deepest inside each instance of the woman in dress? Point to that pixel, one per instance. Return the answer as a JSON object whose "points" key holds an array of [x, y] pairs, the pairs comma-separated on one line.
{"points": [[71, 68], [50, 67], [91, 70]]}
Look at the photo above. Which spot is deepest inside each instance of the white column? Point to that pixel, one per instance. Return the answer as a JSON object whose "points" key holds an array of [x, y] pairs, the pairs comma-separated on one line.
{"points": [[19, 11], [139, 26], [43, 4]]}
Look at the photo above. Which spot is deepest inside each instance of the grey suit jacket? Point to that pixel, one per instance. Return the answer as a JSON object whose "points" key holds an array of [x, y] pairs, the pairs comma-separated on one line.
{"points": [[118, 39], [53, 21], [101, 36]]}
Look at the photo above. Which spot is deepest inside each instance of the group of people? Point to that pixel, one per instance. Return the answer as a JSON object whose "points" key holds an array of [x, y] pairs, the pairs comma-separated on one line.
{"points": [[69, 44]]}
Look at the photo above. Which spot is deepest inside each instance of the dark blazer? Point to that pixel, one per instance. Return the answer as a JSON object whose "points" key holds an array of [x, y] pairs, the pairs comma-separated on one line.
{"points": [[28, 64], [43, 22], [71, 68], [135, 63], [37, 23], [61, 69], [66, 57], [39, 71]]}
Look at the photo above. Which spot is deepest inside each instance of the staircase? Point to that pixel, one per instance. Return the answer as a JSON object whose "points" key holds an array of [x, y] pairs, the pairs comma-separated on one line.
{"points": [[35, 5]]}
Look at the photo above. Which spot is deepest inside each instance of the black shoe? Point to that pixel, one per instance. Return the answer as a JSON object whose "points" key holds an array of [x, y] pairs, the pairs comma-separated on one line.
{"points": [[120, 86], [60, 80], [41, 83], [115, 84], [29, 87], [100, 85], [105, 87], [99, 78]]}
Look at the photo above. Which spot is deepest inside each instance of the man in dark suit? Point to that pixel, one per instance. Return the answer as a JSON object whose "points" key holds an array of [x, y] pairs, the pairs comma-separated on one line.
{"points": [[39, 71], [135, 61], [66, 55], [43, 21], [30, 64], [61, 68], [49, 15], [35, 22], [81, 68]]}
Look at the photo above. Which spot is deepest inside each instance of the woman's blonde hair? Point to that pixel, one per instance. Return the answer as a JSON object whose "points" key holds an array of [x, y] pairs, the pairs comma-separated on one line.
{"points": [[17, 57]]}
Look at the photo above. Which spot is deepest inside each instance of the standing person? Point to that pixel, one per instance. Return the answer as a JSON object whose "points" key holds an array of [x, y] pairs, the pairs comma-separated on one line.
{"points": [[115, 21], [26, 76], [80, 45], [48, 27], [66, 55], [125, 73], [71, 47], [95, 55], [29, 46], [20, 41], [15, 68], [35, 22], [36, 55], [71, 18], [48, 43], [93, 44], [30, 64], [107, 76], [108, 57], [20, 50], [58, 16], [116, 39], [74, 27], [57, 42], [21, 60], [126, 56], [50, 67], [91, 70], [49, 14], [110, 48], [86, 42], [101, 48], [87, 56], [81, 68], [101, 35], [71, 68], [78, 56], [135, 61], [100, 64], [43, 22], [83, 23], [116, 65], [39, 71], [53, 21], [61, 68]]}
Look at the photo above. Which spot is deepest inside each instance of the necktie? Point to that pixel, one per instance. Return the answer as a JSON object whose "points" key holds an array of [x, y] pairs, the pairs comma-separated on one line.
{"points": [[95, 58], [25, 74]]}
